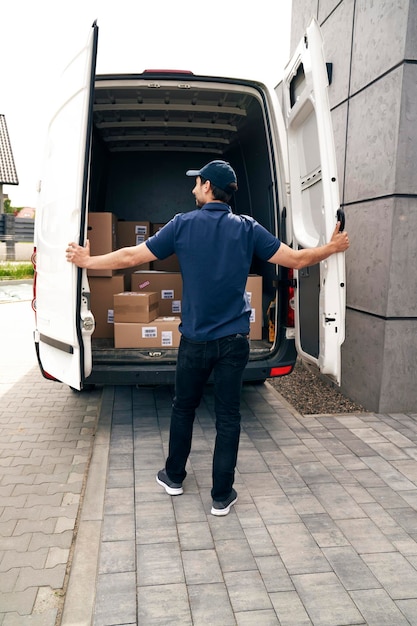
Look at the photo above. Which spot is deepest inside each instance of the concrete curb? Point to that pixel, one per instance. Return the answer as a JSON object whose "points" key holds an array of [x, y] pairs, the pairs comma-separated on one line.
{"points": [[21, 281], [81, 591]]}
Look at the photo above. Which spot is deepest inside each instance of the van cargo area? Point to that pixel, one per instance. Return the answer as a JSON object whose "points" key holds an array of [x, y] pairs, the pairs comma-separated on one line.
{"points": [[117, 152], [148, 130]]}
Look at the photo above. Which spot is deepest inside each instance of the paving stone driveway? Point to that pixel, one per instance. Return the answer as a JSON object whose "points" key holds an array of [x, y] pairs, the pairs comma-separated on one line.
{"points": [[46, 437], [324, 532]]}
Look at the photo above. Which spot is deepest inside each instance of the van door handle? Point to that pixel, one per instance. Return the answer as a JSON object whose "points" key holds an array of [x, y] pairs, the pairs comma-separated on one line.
{"points": [[340, 215]]}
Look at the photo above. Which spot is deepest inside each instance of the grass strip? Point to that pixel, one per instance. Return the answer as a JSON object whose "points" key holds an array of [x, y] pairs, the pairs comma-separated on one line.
{"points": [[15, 271]]}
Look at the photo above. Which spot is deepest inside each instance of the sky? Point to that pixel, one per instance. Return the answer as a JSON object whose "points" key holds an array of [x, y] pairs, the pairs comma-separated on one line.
{"points": [[38, 39]]}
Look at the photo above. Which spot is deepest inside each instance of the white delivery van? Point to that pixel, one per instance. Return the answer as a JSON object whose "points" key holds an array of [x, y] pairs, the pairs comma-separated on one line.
{"points": [[120, 145]]}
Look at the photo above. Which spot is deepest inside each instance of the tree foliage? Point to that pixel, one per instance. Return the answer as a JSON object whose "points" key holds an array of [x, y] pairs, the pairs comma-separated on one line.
{"points": [[8, 208]]}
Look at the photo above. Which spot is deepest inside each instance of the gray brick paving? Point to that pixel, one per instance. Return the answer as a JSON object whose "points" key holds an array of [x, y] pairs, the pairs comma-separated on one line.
{"points": [[46, 437], [324, 531]]}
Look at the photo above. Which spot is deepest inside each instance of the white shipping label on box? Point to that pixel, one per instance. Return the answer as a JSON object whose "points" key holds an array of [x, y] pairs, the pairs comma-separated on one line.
{"points": [[176, 306], [149, 332], [252, 318], [110, 316], [141, 232], [166, 338], [167, 294]]}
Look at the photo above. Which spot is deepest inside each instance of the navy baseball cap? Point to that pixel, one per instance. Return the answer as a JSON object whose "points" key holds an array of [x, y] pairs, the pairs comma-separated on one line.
{"points": [[219, 173]]}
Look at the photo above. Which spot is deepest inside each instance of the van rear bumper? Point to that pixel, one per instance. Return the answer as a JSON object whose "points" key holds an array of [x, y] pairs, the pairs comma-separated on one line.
{"points": [[148, 374]]}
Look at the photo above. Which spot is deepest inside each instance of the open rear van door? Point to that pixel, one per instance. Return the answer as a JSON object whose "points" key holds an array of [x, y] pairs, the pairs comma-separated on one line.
{"points": [[64, 323], [320, 291]]}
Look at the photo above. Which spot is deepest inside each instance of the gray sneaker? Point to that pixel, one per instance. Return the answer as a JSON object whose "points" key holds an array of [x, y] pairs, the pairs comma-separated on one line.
{"points": [[223, 508], [173, 489]]}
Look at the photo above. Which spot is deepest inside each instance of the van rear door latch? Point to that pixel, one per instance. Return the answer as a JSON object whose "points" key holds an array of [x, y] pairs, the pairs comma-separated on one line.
{"points": [[284, 282]]}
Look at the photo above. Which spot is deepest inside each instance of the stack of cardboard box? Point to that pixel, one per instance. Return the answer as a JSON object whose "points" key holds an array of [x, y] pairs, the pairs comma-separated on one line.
{"points": [[102, 234], [142, 307], [121, 310], [137, 323], [168, 286]]}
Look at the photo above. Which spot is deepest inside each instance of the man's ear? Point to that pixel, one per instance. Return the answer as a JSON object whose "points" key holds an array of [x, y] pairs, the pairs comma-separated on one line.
{"points": [[207, 188]]}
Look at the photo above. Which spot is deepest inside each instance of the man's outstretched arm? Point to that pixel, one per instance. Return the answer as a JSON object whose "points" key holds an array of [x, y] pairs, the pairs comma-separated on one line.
{"points": [[297, 259], [119, 259]]}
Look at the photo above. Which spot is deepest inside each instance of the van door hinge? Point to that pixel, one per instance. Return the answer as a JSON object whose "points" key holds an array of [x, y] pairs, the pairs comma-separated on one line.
{"points": [[88, 323]]}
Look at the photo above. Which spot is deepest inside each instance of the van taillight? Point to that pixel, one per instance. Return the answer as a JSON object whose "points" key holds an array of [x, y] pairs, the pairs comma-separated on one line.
{"points": [[291, 300], [280, 371]]}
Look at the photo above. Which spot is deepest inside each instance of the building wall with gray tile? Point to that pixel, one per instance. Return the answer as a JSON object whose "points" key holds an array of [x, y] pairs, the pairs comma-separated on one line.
{"points": [[373, 97]]}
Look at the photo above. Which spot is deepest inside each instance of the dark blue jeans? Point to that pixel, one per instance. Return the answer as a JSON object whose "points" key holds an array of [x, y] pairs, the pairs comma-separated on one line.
{"points": [[226, 358]]}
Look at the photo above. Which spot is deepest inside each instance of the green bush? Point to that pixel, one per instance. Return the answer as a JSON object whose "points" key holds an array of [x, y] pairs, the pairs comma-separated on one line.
{"points": [[15, 271]]}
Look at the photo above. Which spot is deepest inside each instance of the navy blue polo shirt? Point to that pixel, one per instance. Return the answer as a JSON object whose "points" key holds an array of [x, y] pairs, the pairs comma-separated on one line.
{"points": [[215, 249]]}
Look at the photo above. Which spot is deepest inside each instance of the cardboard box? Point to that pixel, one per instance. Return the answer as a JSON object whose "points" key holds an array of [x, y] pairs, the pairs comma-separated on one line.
{"points": [[171, 264], [101, 232], [132, 234], [160, 333], [254, 290], [130, 306], [102, 290], [168, 286]]}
